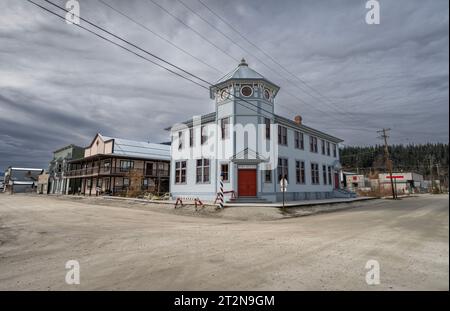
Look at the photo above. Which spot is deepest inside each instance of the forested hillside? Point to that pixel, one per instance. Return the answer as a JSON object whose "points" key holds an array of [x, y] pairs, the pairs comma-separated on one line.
{"points": [[416, 158]]}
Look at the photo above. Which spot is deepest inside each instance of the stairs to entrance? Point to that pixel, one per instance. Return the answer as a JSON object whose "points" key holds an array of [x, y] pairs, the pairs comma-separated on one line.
{"points": [[248, 200]]}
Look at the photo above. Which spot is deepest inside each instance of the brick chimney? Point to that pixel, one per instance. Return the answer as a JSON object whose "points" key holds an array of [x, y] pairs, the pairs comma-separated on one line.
{"points": [[298, 119]]}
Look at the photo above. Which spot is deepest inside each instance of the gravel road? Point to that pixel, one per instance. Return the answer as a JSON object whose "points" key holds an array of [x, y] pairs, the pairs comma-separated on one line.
{"points": [[148, 248]]}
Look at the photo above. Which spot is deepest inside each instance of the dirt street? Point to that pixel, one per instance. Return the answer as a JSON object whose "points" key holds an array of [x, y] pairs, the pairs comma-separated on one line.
{"points": [[154, 249]]}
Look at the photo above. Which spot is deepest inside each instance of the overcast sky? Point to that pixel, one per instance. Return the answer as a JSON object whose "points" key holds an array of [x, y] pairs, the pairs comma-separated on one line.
{"points": [[62, 85]]}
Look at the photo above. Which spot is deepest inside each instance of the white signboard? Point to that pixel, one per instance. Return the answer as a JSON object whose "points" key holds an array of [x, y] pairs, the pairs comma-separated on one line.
{"points": [[283, 185]]}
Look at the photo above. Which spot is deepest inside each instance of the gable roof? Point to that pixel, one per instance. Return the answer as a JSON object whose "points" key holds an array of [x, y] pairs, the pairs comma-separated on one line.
{"points": [[248, 156], [138, 149]]}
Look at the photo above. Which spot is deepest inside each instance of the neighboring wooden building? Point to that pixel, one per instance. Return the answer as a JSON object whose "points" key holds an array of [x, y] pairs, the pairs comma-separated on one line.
{"points": [[21, 179], [114, 165], [43, 183], [57, 181]]}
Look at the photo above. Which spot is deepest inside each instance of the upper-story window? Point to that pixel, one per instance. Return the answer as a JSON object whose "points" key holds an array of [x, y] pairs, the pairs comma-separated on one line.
{"points": [[191, 137], [267, 94], [313, 144], [246, 91], [299, 140], [180, 140], [282, 135], [204, 134], [126, 165], [334, 150], [322, 144], [267, 123], [225, 127], [328, 148]]}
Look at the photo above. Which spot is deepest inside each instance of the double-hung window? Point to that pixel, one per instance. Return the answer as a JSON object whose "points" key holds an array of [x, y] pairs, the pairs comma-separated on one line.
{"points": [[282, 168], [204, 134], [225, 127], [224, 171], [191, 137], [329, 175], [299, 140], [314, 173], [180, 172], [202, 172], [267, 124], [282, 135], [324, 174], [313, 144], [300, 171], [180, 140]]}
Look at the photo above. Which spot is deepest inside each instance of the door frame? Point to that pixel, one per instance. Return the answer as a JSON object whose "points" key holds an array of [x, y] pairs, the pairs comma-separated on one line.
{"points": [[256, 180]]}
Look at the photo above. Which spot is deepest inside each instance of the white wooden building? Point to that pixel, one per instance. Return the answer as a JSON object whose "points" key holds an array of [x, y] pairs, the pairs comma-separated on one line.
{"points": [[250, 147]]}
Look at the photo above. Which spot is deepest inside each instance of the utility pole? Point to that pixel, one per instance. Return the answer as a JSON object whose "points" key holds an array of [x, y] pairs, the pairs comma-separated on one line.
{"points": [[438, 177], [388, 161], [430, 159]]}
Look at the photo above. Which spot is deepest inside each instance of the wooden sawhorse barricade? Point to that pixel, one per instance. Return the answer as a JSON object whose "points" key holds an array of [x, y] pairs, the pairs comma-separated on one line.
{"points": [[233, 195], [197, 202]]}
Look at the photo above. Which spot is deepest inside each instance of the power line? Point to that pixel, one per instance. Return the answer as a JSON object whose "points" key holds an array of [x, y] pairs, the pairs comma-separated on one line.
{"points": [[155, 56], [273, 59], [207, 40], [145, 58], [198, 33], [118, 45], [159, 36]]}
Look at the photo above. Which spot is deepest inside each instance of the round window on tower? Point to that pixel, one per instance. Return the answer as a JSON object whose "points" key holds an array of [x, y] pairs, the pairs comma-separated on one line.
{"points": [[267, 94], [246, 91]]}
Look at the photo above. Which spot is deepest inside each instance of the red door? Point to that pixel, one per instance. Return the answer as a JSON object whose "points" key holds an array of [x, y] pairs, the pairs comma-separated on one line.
{"points": [[336, 181], [247, 183]]}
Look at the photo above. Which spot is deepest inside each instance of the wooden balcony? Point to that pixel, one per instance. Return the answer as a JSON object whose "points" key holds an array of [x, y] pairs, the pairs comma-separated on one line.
{"points": [[114, 171]]}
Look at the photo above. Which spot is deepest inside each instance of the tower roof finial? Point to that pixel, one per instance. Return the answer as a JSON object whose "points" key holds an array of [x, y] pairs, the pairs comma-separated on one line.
{"points": [[243, 63]]}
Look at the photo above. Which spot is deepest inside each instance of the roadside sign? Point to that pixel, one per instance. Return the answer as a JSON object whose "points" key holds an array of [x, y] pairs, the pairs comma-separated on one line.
{"points": [[283, 185]]}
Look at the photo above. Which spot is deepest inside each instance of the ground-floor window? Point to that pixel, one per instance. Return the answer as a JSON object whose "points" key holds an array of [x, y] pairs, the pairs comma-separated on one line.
{"points": [[202, 174], [126, 182], [180, 172], [224, 172], [314, 173], [267, 176], [324, 174], [282, 168], [300, 171], [329, 176]]}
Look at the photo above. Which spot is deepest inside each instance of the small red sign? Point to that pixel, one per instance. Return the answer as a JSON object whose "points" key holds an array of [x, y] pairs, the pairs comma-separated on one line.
{"points": [[395, 176]]}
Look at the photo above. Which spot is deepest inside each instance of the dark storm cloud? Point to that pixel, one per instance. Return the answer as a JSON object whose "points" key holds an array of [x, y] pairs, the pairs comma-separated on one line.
{"points": [[60, 85]]}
